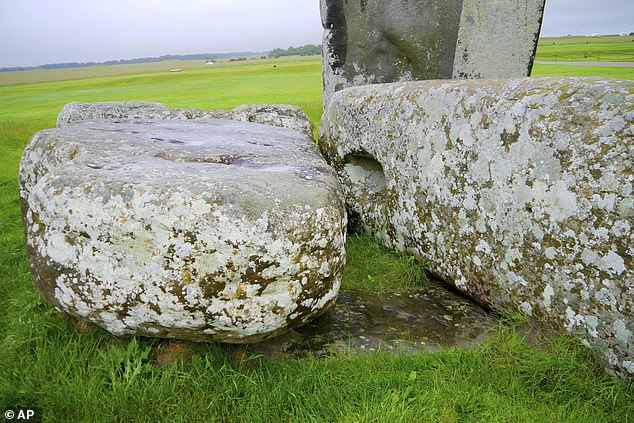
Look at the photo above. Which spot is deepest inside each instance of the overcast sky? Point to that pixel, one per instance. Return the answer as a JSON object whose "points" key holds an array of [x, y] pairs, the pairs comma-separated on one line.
{"points": [[35, 32]]}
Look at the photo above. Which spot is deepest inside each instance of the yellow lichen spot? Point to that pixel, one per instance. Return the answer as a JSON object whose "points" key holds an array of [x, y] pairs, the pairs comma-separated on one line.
{"points": [[241, 292], [186, 275]]}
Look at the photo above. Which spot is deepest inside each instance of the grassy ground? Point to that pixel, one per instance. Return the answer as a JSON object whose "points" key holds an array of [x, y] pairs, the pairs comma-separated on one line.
{"points": [[48, 75], [370, 266], [606, 48], [540, 69], [76, 374]]}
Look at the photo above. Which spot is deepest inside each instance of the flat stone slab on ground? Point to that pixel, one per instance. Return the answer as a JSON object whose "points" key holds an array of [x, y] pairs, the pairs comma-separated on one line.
{"points": [[208, 230], [415, 320], [281, 115]]}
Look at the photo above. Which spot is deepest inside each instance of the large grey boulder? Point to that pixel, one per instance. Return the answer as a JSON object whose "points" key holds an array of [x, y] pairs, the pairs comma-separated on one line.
{"points": [[215, 229], [379, 41], [281, 115], [519, 191]]}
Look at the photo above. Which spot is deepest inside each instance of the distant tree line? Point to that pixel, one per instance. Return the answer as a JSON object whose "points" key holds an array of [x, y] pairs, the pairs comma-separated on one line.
{"points": [[307, 50]]}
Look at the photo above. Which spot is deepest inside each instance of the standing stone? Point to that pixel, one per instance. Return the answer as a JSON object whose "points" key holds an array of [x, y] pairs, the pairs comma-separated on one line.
{"points": [[497, 38], [520, 192], [195, 230], [379, 41]]}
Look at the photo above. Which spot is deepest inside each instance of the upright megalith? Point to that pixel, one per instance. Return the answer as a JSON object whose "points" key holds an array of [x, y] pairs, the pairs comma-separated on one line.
{"points": [[196, 230], [497, 38], [379, 41], [519, 192]]}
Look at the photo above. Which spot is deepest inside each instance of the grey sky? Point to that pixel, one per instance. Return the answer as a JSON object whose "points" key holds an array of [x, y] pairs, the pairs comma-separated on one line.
{"points": [[35, 32], [584, 17]]}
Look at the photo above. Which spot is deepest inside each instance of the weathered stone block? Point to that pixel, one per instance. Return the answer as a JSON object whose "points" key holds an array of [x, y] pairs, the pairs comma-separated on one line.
{"points": [[379, 41], [517, 191], [214, 229], [281, 115]]}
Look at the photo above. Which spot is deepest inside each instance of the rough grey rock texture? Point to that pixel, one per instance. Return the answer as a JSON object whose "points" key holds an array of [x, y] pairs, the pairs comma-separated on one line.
{"points": [[497, 38], [379, 41], [222, 230], [282, 115], [518, 191]]}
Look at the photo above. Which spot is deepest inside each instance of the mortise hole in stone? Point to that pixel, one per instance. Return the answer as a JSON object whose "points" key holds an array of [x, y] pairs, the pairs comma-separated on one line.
{"points": [[365, 173]]}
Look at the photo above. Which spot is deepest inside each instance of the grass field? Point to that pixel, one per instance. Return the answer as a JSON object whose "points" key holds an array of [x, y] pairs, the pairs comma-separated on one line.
{"points": [[49, 75], [76, 374], [568, 50], [540, 69], [606, 48]]}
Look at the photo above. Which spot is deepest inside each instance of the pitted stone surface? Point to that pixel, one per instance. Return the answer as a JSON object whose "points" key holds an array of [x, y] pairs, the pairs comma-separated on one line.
{"points": [[518, 191], [281, 115], [380, 41], [221, 230]]}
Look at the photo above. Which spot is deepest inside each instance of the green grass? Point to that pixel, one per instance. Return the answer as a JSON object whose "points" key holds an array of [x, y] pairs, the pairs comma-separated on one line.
{"points": [[370, 266], [91, 376], [48, 75], [607, 48], [567, 50], [570, 70], [94, 377]]}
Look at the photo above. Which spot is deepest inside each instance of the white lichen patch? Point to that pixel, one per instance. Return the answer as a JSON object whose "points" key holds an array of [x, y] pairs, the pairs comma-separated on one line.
{"points": [[184, 230], [526, 308], [548, 296], [517, 191]]}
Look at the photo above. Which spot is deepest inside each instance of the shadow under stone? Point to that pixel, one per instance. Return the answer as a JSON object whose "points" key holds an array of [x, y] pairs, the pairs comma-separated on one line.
{"points": [[420, 319]]}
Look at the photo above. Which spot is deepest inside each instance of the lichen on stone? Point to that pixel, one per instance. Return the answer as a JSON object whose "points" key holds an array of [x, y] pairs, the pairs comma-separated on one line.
{"points": [[379, 41], [204, 230], [517, 191]]}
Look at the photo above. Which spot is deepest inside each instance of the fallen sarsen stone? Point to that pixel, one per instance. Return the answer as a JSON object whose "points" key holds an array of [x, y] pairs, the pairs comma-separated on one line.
{"points": [[519, 192], [197, 230]]}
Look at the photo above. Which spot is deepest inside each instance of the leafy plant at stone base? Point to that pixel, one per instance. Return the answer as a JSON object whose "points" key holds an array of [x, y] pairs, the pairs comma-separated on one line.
{"points": [[125, 365]]}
